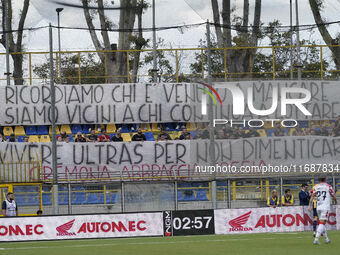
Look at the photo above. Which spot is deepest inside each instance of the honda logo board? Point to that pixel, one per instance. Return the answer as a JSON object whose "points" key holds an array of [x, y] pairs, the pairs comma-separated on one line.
{"points": [[262, 220], [83, 226]]}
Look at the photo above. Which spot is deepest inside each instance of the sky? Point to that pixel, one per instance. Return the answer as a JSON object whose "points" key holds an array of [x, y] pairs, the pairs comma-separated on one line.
{"points": [[168, 13]]}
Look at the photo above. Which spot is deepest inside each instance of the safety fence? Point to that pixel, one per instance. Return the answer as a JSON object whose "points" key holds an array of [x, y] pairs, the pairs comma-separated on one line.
{"points": [[108, 197], [182, 64], [163, 223]]}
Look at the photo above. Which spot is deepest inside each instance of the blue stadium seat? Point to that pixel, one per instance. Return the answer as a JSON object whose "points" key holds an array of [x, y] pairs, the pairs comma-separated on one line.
{"points": [[116, 198], [30, 188], [46, 188], [184, 184], [86, 128], [42, 130], [125, 129], [149, 136], [113, 198], [193, 134], [71, 138], [197, 184], [76, 128], [46, 198], [79, 198], [303, 123], [77, 188], [63, 200], [92, 198], [168, 126], [189, 197], [62, 188], [21, 138], [20, 199], [221, 183], [179, 196], [31, 130], [270, 132], [167, 196], [101, 198], [33, 200], [201, 195]]}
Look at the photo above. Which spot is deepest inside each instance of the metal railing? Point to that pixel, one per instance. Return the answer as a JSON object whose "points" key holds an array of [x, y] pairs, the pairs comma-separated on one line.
{"points": [[179, 59]]}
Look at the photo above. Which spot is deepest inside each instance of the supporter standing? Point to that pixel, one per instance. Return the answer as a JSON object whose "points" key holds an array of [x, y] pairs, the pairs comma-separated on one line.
{"points": [[304, 195], [9, 206]]}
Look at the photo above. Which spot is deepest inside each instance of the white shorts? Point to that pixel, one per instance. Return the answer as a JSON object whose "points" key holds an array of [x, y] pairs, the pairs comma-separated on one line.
{"points": [[322, 214]]}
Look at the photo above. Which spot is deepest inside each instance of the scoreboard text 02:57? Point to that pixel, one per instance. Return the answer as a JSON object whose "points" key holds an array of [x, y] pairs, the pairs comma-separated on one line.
{"points": [[179, 223]]}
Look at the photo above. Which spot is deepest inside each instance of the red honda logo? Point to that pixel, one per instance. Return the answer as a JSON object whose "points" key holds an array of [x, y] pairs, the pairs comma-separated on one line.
{"points": [[237, 223], [63, 229]]}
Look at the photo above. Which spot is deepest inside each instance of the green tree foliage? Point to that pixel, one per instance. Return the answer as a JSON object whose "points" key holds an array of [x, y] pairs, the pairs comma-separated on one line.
{"points": [[91, 70], [262, 67]]}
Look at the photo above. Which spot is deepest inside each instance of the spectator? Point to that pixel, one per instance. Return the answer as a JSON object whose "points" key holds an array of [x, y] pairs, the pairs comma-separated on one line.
{"points": [[25, 139], [298, 132], [234, 135], [252, 133], [163, 136], [316, 131], [336, 130], [39, 213], [79, 138], [198, 134], [2, 138], [287, 198], [227, 130], [313, 132], [278, 130], [180, 125], [307, 131], [220, 134], [323, 130], [104, 137], [12, 138], [187, 136], [241, 133], [337, 123], [92, 137], [9, 206], [139, 137], [183, 134], [62, 135], [67, 139], [273, 201], [117, 137], [304, 195], [205, 134]]}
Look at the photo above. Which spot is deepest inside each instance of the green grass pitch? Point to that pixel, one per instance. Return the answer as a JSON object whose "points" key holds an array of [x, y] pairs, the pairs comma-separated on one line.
{"points": [[262, 244]]}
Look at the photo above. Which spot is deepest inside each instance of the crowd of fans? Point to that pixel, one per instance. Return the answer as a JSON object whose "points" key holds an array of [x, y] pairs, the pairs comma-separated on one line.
{"points": [[221, 132]]}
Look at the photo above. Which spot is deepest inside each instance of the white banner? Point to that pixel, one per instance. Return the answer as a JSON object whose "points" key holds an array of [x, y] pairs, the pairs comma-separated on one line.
{"points": [[266, 220], [81, 226], [168, 160], [165, 102]]}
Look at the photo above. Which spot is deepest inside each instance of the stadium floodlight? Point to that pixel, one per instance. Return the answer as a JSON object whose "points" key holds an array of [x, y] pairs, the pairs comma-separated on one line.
{"points": [[59, 10]]}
